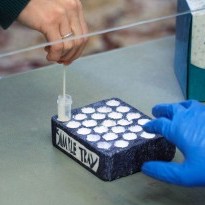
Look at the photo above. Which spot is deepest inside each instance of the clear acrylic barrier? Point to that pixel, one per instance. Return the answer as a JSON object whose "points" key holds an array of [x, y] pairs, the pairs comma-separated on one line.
{"points": [[112, 24]]}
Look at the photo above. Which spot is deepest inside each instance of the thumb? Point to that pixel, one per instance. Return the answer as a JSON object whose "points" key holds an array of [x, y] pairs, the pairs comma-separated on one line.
{"points": [[169, 172]]}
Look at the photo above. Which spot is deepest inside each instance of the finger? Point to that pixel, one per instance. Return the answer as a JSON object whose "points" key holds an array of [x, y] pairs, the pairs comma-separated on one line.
{"points": [[75, 20], [54, 51], [169, 172], [77, 54], [69, 56], [166, 110], [84, 40], [77, 43], [74, 55], [188, 103], [83, 25], [65, 29], [159, 126]]}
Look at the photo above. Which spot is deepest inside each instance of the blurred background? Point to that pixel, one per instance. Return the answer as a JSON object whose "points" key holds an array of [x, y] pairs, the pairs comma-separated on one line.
{"points": [[100, 15]]}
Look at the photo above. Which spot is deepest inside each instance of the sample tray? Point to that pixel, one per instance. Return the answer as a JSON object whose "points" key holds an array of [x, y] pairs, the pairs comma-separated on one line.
{"points": [[107, 139]]}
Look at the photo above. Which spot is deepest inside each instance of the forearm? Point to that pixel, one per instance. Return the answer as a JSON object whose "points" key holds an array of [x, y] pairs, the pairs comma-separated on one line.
{"points": [[9, 11]]}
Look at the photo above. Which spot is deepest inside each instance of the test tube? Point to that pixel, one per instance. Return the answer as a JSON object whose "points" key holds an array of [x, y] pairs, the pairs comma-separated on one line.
{"points": [[64, 103]]}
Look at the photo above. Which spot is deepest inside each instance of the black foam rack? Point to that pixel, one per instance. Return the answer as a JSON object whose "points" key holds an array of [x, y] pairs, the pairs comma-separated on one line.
{"points": [[107, 139]]}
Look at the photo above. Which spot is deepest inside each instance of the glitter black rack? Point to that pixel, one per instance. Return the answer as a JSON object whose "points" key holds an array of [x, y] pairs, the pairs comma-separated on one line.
{"points": [[107, 139]]}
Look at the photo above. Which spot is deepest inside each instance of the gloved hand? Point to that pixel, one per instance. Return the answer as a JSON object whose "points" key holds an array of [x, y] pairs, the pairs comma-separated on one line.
{"points": [[183, 124]]}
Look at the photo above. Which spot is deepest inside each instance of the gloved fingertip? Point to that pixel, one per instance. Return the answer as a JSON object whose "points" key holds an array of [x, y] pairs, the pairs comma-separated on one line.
{"points": [[168, 172], [155, 111], [157, 126], [147, 127], [188, 103], [153, 170], [147, 168]]}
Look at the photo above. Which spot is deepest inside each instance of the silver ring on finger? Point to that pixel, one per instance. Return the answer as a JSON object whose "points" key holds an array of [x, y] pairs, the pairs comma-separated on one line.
{"points": [[67, 35]]}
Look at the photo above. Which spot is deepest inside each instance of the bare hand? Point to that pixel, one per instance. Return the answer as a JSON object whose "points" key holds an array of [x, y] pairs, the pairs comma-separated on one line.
{"points": [[55, 19]]}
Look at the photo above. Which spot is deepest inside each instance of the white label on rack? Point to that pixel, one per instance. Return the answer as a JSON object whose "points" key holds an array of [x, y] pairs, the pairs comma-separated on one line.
{"points": [[197, 33], [77, 150], [196, 4], [198, 41]]}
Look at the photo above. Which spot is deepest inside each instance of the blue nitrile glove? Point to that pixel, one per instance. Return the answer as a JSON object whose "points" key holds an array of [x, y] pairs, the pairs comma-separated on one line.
{"points": [[183, 124]]}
